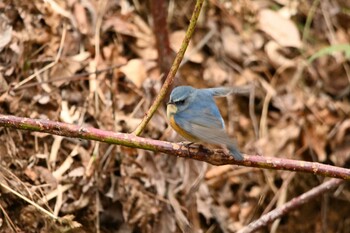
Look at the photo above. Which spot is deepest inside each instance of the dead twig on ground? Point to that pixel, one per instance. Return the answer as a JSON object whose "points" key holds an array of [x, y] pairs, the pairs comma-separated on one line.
{"points": [[291, 205]]}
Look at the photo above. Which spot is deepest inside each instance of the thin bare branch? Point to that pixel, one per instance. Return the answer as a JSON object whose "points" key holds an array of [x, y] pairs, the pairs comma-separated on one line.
{"points": [[171, 75], [215, 157], [291, 205]]}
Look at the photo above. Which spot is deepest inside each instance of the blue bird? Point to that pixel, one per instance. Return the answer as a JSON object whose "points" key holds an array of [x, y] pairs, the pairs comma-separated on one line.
{"points": [[194, 115]]}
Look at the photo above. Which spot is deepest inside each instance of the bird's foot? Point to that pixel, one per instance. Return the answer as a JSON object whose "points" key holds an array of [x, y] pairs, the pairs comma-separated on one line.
{"points": [[186, 144]]}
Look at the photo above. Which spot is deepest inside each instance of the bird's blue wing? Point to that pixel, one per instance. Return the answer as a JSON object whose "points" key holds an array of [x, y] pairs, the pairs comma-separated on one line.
{"points": [[203, 121], [203, 124], [206, 129]]}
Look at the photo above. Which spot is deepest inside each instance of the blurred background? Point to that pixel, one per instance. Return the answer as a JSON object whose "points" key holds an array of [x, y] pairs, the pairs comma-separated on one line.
{"points": [[96, 63]]}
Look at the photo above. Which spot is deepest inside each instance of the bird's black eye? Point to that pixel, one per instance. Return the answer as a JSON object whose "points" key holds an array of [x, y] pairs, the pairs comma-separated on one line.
{"points": [[180, 102]]}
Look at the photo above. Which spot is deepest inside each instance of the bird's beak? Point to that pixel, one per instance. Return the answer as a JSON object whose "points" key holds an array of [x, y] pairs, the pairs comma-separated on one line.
{"points": [[171, 109]]}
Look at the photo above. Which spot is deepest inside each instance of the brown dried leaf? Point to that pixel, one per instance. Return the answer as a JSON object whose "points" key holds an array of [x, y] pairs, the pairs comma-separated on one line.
{"points": [[42, 99], [5, 31], [65, 68], [280, 140], [204, 202], [3, 86], [277, 58], [343, 129], [81, 17], [176, 39], [214, 74], [135, 71], [281, 29], [44, 175], [167, 221], [122, 26], [232, 43], [316, 139], [288, 103], [149, 53], [217, 171], [77, 172]]}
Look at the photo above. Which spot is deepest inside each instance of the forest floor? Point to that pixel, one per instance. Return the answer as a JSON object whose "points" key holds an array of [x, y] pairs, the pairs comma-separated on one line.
{"points": [[295, 53]]}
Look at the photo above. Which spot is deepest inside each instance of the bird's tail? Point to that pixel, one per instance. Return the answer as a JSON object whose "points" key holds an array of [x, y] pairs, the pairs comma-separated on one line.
{"points": [[235, 153], [224, 91]]}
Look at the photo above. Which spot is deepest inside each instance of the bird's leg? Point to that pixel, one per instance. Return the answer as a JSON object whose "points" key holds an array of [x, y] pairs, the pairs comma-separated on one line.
{"points": [[197, 146], [187, 144]]}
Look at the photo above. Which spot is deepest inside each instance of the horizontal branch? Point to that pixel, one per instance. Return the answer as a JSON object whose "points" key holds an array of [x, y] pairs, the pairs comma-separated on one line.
{"points": [[215, 157]]}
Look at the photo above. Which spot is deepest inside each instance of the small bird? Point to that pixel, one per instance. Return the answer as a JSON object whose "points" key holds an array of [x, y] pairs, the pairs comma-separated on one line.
{"points": [[194, 115]]}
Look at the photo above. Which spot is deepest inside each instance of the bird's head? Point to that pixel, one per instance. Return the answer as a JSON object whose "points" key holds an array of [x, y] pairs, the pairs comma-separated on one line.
{"points": [[180, 99]]}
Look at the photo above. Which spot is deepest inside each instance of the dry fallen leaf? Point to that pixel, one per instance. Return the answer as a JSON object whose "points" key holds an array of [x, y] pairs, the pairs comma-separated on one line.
{"points": [[135, 71], [277, 58], [82, 18], [281, 29], [214, 74], [232, 43], [5, 31], [217, 171], [117, 188], [279, 140], [65, 68], [175, 43]]}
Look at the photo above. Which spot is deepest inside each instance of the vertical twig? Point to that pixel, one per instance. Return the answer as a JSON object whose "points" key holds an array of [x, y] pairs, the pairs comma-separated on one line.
{"points": [[171, 75]]}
